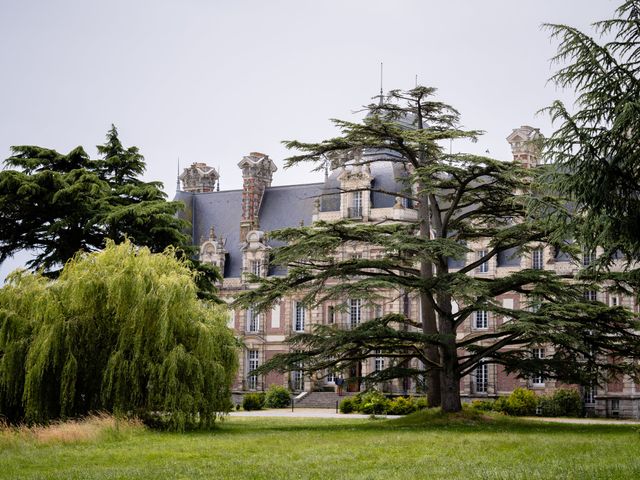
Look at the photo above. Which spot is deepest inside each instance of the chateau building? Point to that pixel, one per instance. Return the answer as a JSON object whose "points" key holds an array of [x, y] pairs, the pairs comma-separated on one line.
{"points": [[232, 230]]}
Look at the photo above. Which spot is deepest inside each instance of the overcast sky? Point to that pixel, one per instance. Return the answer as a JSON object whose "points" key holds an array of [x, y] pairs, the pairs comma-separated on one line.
{"points": [[210, 81]]}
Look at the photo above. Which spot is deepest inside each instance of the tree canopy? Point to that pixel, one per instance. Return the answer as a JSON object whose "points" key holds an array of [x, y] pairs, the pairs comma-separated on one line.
{"points": [[119, 330], [596, 146], [57, 204], [462, 201]]}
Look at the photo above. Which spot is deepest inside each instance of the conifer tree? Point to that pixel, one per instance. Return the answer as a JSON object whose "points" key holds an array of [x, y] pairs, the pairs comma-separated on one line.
{"points": [[55, 204], [596, 146], [460, 200]]}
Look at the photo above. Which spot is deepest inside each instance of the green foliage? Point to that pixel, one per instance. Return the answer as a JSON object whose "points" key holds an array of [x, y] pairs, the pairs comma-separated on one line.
{"points": [[521, 402], [120, 331], [484, 405], [277, 396], [253, 401], [56, 204], [402, 406], [349, 405], [564, 402], [596, 145], [375, 403]]}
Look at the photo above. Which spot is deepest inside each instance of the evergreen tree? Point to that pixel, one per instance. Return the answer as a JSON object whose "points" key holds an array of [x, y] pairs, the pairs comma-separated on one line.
{"points": [[120, 330], [461, 200], [56, 204], [596, 147]]}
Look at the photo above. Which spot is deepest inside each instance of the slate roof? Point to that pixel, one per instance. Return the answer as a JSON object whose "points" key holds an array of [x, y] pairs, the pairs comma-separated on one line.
{"points": [[288, 206], [284, 206]]}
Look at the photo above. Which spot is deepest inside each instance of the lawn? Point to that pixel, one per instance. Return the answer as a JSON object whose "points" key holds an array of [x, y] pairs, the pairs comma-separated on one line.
{"points": [[425, 446]]}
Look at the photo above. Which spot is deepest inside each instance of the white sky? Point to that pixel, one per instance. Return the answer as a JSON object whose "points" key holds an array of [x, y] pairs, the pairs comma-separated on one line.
{"points": [[210, 81]]}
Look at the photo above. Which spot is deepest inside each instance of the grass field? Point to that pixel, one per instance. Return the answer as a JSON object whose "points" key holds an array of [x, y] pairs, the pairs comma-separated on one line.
{"points": [[423, 446]]}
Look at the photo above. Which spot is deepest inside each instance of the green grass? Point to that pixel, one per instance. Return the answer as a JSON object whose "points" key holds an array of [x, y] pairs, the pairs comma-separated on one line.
{"points": [[424, 445]]}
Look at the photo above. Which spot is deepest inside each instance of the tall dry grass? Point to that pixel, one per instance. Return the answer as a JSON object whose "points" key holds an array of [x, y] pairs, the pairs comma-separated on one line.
{"points": [[92, 428]]}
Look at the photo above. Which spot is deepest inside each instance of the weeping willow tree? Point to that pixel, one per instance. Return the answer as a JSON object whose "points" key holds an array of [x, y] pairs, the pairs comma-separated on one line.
{"points": [[121, 330]]}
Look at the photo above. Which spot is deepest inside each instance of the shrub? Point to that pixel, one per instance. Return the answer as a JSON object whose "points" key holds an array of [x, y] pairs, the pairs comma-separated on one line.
{"points": [[483, 405], [402, 406], [348, 405], [521, 402], [277, 397], [500, 405], [565, 402], [422, 403], [253, 401], [374, 403]]}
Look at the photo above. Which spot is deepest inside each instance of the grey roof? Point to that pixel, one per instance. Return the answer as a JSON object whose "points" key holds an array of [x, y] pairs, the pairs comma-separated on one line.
{"points": [[281, 207], [387, 177]]}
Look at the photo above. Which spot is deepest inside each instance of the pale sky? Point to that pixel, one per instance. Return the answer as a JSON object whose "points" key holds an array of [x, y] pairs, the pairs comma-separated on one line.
{"points": [[210, 81]]}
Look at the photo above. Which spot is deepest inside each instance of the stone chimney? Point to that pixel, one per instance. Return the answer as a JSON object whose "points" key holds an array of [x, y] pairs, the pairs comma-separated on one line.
{"points": [[199, 178], [526, 144], [257, 172]]}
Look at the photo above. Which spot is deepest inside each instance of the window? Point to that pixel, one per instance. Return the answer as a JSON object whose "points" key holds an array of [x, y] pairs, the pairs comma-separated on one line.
{"points": [[588, 257], [252, 364], [331, 376], [534, 303], [589, 395], [355, 312], [614, 301], [331, 314], [253, 320], [256, 267], [484, 266], [615, 407], [591, 295], [537, 257], [356, 204], [297, 380], [299, 313], [482, 378], [377, 311], [481, 320], [538, 380], [378, 362]]}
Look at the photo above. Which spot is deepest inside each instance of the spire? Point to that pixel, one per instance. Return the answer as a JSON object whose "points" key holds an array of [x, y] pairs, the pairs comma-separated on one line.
{"points": [[178, 177], [381, 75]]}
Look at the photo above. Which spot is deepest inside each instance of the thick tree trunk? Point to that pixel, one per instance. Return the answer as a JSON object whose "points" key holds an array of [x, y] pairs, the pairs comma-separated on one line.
{"points": [[449, 377], [429, 322], [429, 327]]}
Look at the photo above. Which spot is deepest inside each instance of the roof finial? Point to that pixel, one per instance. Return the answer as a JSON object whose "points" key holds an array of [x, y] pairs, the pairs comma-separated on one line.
{"points": [[381, 76], [416, 80], [178, 177]]}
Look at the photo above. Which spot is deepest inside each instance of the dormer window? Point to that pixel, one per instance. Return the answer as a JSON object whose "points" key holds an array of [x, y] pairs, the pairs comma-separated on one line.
{"points": [[484, 266], [355, 211], [256, 267], [537, 257]]}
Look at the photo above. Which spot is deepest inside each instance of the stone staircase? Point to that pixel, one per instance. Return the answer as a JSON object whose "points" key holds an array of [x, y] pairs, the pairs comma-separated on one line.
{"points": [[321, 400]]}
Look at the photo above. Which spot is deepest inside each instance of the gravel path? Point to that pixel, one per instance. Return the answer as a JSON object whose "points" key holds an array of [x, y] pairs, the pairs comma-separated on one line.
{"points": [[304, 413], [331, 413]]}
